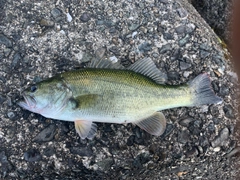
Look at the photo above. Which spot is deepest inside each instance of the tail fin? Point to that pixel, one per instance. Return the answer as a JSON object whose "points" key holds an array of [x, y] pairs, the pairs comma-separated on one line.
{"points": [[202, 90]]}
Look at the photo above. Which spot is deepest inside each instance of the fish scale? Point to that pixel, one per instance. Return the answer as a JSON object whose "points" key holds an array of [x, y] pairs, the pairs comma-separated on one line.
{"points": [[110, 95], [143, 94]]}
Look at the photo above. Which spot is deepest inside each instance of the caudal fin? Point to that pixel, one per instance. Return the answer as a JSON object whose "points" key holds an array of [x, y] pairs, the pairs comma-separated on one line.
{"points": [[202, 91]]}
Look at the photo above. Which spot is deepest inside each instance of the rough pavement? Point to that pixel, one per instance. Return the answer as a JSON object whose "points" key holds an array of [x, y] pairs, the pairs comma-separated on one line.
{"points": [[41, 38]]}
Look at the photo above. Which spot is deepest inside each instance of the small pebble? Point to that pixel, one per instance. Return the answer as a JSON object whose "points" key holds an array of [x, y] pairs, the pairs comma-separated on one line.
{"points": [[85, 17], [105, 164], [133, 26], [5, 40], [228, 110], [114, 50], [165, 48], [69, 17], [46, 23], [11, 115], [183, 137], [169, 129], [113, 59], [186, 122], [184, 40], [184, 65], [233, 152], [216, 149], [56, 13], [46, 135], [134, 34], [204, 54], [190, 28], [144, 47], [180, 29], [82, 151], [32, 155], [182, 12], [16, 60], [221, 138]]}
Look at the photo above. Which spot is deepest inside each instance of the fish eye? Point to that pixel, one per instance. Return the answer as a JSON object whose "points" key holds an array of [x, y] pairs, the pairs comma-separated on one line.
{"points": [[33, 88]]}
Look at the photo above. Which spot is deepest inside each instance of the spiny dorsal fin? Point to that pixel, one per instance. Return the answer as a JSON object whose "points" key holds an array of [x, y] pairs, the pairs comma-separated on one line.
{"points": [[147, 67], [104, 64], [154, 124]]}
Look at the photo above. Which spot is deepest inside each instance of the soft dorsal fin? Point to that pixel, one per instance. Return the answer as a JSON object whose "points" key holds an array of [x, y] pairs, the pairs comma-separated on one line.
{"points": [[147, 67], [104, 64]]}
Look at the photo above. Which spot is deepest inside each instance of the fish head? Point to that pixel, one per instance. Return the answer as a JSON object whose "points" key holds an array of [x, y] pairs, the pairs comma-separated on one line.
{"points": [[45, 97]]}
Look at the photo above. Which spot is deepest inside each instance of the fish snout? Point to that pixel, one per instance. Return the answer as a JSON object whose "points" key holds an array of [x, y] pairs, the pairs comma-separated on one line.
{"points": [[26, 102]]}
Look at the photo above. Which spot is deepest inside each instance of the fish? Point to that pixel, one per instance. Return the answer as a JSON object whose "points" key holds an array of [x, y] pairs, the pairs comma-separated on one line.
{"points": [[106, 92]]}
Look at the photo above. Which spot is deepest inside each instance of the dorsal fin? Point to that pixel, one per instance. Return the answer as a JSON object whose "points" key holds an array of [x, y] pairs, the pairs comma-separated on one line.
{"points": [[104, 64], [147, 67]]}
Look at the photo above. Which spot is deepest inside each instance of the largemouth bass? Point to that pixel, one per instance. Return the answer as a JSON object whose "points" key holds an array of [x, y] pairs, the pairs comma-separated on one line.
{"points": [[104, 92]]}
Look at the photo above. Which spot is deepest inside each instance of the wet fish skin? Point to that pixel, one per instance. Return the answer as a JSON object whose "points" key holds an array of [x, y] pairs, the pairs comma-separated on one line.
{"points": [[110, 95]]}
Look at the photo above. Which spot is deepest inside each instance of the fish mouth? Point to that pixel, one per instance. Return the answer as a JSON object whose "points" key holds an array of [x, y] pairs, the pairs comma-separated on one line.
{"points": [[28, 102]]}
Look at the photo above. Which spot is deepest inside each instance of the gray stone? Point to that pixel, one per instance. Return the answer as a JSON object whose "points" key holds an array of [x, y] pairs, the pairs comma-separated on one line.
{"points": [[133, 26], [205, 47], [204, 54], [182, 12], [130, 140], [4, 164], [99, 22], [5, 40], [221, 138], [228, 110], [184, 65], [163, 1], [183, 137], [82, 151], [11, 115], [211, 128], [165, 48], [195, 127], [224, 90], [105, 164], [169, 129], [32, 155], [180, 29], [173, 75], [46, 134], [56, 13], [85, 17], [46, 23], [176, 54], [16, 60], [190, 28], [168, 36], [192, 152], [144, 47], [184, 40], [185, 122], [2, 99], [114, 50]]}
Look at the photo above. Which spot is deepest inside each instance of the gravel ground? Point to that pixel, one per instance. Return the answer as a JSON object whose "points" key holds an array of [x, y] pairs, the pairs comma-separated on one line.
{"points": [[217, 14], [40, 39]]}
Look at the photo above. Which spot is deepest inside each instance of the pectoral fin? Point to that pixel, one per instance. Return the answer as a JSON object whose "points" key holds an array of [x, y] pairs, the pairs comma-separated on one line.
{"points": [[85, 129], [154, 124], [86, 101]]}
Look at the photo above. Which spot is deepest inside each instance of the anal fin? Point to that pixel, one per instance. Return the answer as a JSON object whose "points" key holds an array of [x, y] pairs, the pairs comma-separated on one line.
{"points": [[85, 129], [154, 124]]}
